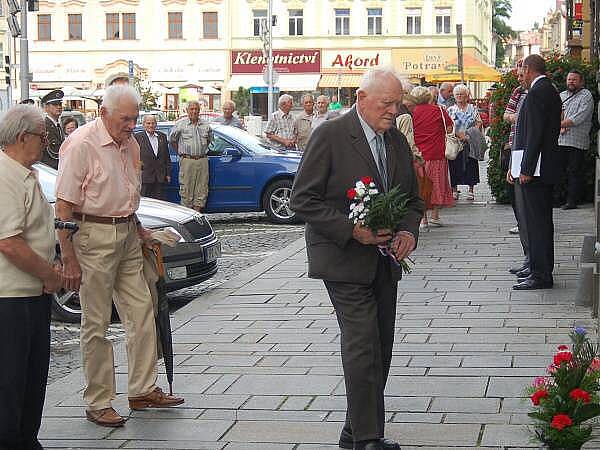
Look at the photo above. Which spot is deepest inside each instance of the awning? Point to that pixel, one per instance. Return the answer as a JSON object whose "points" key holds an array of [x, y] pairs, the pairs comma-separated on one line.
{"points": [[286, 81], [474, 70], [333, 80]]}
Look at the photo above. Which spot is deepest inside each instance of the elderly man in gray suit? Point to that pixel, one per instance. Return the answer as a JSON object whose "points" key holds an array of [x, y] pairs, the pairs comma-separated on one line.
{"points": [[362, 283]]}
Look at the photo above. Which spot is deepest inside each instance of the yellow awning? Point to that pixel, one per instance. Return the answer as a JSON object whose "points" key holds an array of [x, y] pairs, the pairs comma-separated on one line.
{"points": [[474, 70], [333, 80]]}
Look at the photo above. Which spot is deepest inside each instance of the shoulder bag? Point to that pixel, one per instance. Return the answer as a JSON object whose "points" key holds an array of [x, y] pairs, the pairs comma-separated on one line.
{"points": [[453, 145]]}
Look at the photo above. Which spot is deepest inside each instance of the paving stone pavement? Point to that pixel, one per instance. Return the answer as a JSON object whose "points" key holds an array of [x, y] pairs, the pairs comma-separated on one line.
{"points": [[258, 358]]}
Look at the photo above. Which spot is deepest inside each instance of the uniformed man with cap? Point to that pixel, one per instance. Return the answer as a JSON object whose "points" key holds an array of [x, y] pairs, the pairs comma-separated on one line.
{"points": [[52, 102]]}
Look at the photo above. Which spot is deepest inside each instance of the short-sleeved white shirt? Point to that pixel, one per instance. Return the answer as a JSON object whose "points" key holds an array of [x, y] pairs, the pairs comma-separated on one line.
{"points": [[25, 211]]}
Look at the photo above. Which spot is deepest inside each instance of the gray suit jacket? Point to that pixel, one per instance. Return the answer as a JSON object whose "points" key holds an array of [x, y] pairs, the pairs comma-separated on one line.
{"points": [[336, 156]]}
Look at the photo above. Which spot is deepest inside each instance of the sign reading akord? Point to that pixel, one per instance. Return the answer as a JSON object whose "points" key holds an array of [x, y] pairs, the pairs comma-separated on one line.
{"points": [[284, 61]]}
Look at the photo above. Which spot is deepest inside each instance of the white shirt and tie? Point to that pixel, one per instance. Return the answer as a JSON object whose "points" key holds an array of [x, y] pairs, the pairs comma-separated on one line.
{"points": [[153, 138], [377, 146]]}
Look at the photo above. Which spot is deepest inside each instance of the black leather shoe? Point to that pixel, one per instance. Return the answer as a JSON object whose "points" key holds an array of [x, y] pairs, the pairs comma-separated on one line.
{"points": [[368, 445], [530, 284], [568, 206], [346, 441], [523, 273], [516, 269]]}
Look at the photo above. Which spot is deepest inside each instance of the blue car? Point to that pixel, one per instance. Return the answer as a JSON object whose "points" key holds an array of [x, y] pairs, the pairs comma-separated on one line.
{"points": [[245, 174]]}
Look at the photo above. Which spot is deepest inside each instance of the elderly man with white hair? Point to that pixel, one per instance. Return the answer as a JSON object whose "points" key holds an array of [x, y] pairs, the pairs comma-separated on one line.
{"points": [[27, 277], [228, 118], [445, 98], [98, 186], [361, 280], [281, 129]]}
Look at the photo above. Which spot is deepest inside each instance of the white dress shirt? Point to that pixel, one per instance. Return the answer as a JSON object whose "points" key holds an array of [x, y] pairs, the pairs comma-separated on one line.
{"points": [[153, 138]]}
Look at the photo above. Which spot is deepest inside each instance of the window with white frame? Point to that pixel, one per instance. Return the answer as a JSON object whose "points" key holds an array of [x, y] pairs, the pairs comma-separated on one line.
{"points": [[259, 20], [374, 19], [296, 22], [342, 21], [413, 21], [442, 20]]}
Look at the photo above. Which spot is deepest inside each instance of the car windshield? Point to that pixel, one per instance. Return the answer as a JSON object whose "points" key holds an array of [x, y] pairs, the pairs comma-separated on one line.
{"points": [[47, 178], [251, 142]]}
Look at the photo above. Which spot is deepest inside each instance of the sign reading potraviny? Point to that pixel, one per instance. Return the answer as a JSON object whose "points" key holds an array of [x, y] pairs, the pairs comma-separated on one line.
{"points": [[284, 61]]}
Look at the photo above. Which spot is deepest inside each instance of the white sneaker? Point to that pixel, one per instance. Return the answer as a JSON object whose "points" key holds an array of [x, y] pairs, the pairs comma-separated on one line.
{"points": [[436, 222], [423, 227], [514, 230]]}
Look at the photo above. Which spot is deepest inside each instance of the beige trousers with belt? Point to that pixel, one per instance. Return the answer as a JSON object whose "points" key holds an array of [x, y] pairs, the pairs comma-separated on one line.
{"points": [[193, 182], [111, 261]]}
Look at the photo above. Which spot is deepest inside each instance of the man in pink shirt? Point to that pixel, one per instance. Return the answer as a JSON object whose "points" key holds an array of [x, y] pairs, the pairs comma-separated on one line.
{"points": [[98, 185]]}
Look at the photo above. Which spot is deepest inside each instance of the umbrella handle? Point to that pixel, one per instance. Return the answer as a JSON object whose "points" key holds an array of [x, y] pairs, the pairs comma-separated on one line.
{"points": [[170, 388]]}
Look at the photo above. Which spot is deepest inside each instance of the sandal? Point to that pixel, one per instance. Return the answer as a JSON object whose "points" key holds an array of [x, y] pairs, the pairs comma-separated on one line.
{"points": [[470, 196]]}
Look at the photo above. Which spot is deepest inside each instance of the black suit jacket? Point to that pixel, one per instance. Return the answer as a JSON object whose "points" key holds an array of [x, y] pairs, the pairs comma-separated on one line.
{"points": [[538, 127], [55, 140], [336, 156], [155, 168]]}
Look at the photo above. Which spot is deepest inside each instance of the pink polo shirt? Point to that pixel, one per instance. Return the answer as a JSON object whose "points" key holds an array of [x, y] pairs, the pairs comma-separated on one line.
{"points": [[99, 176]]}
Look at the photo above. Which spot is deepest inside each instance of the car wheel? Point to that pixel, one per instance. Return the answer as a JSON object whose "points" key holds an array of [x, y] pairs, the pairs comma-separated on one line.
{"points": [[276, 202], [66, 306]]}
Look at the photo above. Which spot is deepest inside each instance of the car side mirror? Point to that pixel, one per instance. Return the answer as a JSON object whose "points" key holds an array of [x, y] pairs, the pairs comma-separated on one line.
{"points": [[232, 153]]}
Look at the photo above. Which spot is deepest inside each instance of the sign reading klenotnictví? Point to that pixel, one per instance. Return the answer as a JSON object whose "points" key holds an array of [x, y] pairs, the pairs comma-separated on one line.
{"points": [[284, 61]]}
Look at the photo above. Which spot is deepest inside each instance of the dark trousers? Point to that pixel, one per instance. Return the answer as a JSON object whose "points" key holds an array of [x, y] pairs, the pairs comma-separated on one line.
{"points": [[573, 159], [534, 204], [366, 315], [25, 354], [522, 236], [154, 190]]}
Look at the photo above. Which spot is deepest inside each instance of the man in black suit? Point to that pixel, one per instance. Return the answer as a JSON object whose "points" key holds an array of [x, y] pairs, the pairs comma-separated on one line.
{"points": [[535, 168], [362, 283], [53, 108], [156, 162]]}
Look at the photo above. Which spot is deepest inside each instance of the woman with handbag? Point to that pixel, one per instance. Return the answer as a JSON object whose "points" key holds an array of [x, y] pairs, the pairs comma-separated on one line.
{"points": [[464, 170], [430, 138]]}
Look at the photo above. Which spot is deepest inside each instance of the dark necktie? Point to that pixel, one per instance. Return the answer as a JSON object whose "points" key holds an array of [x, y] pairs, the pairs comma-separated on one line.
{"points": [[381, 160]]}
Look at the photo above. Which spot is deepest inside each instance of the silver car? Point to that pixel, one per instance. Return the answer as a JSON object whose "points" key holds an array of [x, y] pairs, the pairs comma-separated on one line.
{"points": [[193, 260]]}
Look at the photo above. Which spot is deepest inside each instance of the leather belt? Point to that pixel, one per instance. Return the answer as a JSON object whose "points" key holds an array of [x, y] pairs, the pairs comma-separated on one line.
{"points": [[191, 156], [100, 219]]}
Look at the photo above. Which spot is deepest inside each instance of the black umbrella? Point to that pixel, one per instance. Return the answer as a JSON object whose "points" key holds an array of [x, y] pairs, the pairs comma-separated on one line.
{"points": [[161, 314]]}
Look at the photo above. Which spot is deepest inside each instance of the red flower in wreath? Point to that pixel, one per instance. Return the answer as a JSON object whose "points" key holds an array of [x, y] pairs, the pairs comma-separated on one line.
{"points": [[560, 421], [580, 395], [351, 193], [562, 348], [538, 395], [366, 180], [561, 357]]}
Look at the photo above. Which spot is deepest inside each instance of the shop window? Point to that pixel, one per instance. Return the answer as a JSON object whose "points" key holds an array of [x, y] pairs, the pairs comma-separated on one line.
{"points": [[296, 22], [413, 21], [442, 20], [75, 33], [342, 22], [44, 27], [175, 20], [259, 21], [374, 18], [112, 26], [210, 23], [218, 146], [129, 26]]}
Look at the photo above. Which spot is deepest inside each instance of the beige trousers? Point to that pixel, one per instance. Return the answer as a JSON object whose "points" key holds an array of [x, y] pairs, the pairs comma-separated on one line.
{"points": [[111, 263], [193, 182]]}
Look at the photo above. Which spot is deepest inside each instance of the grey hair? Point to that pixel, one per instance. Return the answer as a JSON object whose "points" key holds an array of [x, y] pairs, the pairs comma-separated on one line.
{"points": [[228, 102], [116, 92], [373, 76], [323, 97], [407, 86], [284, 98], [446, 85], [17, 120], [421, 95], [461, 88], [307, 96], [149, 116], [192, 102]]}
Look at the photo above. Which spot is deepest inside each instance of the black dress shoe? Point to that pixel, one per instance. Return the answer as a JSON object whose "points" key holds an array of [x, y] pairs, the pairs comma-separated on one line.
{"points": [[346, 441], [523, 273], [516, 269], [568, 206], [530, 284], [368, 445]]}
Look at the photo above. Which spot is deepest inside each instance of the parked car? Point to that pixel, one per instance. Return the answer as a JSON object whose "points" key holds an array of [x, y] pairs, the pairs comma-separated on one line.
{"points": [[160, 116], [77, 115], [190, 262], [245, 174]]}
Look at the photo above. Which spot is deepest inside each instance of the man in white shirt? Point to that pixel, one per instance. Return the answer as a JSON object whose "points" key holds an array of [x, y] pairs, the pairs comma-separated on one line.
{"points": [[156, 161]]}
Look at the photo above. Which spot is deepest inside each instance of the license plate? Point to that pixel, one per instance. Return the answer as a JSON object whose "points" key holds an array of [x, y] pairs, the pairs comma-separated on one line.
{"points": [[212, 253], [177, 273]]}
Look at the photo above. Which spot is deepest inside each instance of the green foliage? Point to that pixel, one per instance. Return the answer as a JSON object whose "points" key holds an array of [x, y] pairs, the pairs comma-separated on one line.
{"points": [[241, 98], [558, 67], [502, 12], [149, 99], [570, 393], [387, 210]]}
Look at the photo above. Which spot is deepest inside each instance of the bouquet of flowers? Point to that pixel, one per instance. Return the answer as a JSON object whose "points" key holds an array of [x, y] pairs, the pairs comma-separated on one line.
{"points": [[568, 396], [378, 211]]}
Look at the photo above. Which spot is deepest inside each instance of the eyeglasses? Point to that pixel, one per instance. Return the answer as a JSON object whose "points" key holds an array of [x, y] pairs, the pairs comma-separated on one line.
{"points": [[43, 136]]}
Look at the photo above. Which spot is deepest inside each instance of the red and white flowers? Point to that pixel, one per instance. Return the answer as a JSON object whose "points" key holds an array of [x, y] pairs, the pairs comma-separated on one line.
{"points": [[361, 194]]}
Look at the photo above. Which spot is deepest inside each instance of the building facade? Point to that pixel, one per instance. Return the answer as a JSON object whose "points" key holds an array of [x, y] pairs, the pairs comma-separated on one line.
{"points": [[192, 47]]}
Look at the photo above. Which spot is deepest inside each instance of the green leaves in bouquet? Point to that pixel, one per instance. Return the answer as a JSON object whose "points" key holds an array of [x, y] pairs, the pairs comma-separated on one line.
{"points": [[387, 210]]}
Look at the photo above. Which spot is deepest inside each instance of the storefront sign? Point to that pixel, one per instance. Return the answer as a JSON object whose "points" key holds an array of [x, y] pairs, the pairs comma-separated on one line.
{"points": [[354, 61], [419, 62], [284, 61]]}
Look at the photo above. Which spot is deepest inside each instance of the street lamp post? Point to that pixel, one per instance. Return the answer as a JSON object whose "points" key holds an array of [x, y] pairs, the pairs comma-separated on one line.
{"points": [[270, 59], [24, 53]]}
